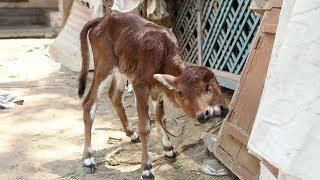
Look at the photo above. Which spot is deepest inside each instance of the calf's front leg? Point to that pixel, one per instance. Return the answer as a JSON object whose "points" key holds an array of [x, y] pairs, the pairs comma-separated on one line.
{"points": [[144, 126], [160, 117]]}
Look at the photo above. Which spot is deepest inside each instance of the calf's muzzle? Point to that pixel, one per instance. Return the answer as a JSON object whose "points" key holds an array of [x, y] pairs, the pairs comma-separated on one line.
{"points": [[212, 112]]}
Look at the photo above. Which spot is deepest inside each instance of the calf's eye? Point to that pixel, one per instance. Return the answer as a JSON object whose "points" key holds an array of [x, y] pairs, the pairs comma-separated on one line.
{"points": [[207, 89], [179, 93]]}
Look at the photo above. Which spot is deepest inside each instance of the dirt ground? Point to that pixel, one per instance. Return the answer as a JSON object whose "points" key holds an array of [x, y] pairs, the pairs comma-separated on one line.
{"points": [[43, 139]]}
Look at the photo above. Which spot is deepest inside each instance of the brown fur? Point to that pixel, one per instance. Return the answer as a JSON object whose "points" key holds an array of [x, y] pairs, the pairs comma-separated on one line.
{"points": [[139, 49]]}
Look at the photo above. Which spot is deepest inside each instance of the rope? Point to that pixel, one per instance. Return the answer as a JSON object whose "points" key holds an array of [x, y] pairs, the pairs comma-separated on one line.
{"points": [[163, 124]]}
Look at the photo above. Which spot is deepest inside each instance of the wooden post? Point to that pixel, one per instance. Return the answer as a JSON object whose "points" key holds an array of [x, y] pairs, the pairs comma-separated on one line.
{"points": [[199, 32], [231, 146]]}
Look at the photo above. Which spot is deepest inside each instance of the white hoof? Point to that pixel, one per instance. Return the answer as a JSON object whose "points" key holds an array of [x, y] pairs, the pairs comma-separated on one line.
{"points": [[89, 165], [147, 174], [89, 161], [134, 137], [169, 153]]}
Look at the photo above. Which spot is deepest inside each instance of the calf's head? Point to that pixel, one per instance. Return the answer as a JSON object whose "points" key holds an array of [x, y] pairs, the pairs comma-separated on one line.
{"points": [[197, 92]]}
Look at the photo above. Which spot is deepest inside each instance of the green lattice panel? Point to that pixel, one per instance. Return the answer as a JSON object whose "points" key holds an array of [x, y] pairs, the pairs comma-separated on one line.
{"points": [[228, 29], [185, 28]]}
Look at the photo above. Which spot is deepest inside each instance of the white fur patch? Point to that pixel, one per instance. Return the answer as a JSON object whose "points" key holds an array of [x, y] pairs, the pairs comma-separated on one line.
{"points": [[147, 172], [103, 85], [134, 136], [93, 111], [129, 88], [155, 104], [169, 153], [120, 81], [101, 88], [148, 126], [89, 161], [120, 78]]}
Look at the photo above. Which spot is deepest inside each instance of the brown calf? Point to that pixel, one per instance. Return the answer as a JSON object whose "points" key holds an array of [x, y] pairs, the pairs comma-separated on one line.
{"points": [[127, 47]]}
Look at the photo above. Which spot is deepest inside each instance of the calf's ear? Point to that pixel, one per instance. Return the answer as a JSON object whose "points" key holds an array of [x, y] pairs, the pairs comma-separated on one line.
{"points": [[165, 79]]}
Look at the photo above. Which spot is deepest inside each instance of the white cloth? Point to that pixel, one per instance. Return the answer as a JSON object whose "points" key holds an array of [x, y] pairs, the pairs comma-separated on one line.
{"points": [[286, 131], [125, 5], [156, 8], [96, 8], [96, 11], [9, 99], [66, 47]]}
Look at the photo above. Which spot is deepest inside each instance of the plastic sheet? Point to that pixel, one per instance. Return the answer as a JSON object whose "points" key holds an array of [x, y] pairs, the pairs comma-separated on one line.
{"points": [[214, 167]]}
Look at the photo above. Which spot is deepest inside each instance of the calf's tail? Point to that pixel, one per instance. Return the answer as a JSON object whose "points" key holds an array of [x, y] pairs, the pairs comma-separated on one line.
{"points": [[85, 54]]}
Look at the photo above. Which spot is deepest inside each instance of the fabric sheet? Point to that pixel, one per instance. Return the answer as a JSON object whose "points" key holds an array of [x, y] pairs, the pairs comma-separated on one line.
{"points": [[9, 99], [96, 8], [125, 5], [156, 8], [66, 47], [286, 131]]}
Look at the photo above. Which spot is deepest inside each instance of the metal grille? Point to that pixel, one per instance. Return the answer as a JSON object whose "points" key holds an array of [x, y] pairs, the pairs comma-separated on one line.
{"points": [[228, 28]]}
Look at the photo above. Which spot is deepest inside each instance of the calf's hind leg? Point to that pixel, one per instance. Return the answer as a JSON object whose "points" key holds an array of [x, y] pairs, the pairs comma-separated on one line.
{"points": [[115, 93], [100, 80]]}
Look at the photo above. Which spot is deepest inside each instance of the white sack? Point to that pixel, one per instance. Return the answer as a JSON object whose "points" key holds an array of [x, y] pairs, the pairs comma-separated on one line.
{"points": [[66, 47]]}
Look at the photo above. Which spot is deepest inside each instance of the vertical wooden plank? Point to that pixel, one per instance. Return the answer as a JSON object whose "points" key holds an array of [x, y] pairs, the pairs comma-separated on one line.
{"points": [[237, 127], [248, 161], [252, 90], [235, 166], [230, 145]]}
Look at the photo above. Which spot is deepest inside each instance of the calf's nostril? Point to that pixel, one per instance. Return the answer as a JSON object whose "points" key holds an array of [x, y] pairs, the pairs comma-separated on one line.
{"points": [[225, 111], [201, 117], [207, 113]]}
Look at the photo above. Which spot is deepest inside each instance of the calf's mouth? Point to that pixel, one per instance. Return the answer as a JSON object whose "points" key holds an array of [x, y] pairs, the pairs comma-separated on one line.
{"points": [[211, 113]]}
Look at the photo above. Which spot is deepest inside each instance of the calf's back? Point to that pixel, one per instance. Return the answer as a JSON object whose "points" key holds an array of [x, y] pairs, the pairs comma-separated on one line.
{"points": [[141, 48]]}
